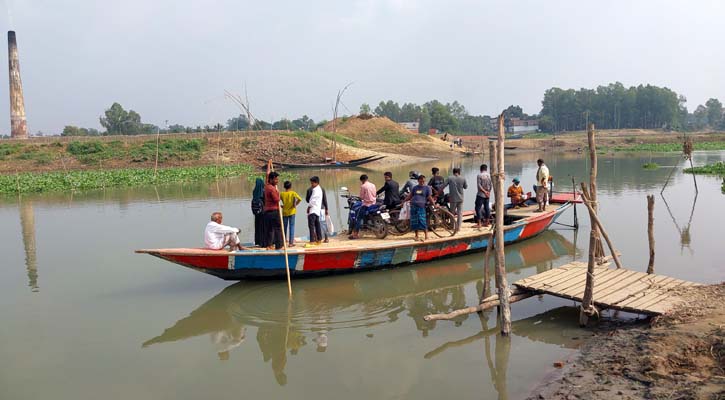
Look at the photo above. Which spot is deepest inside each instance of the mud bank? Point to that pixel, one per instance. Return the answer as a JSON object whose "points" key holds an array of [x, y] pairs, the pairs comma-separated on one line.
{"points": [[676, 356]]}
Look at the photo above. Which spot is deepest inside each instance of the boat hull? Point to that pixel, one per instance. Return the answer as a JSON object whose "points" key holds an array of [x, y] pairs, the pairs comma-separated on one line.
{"points": [[315, 262]]}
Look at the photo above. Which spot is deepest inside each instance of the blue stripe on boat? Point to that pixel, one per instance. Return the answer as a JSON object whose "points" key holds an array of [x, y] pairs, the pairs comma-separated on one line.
{"points": [[264, 261], [376, 258], [512, 235], [479, 243]]}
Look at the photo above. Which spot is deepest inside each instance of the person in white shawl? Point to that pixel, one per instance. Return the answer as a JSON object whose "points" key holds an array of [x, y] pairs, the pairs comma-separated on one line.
{"points": [[218, 236]]}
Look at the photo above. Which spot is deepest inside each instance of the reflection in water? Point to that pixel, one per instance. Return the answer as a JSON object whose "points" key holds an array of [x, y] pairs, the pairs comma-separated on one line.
{"points": [[685, 238], [27, 224], [319, 307]]}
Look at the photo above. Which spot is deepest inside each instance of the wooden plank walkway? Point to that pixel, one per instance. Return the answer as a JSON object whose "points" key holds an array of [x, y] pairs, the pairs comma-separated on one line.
{"points": [[618, 289]]}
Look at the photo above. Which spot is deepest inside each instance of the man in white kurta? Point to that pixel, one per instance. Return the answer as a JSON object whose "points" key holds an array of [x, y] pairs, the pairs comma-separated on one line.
{"points": [[218, 236]]}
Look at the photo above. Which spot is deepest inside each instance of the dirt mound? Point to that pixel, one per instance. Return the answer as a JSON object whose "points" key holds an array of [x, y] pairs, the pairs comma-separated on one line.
{"points": [[680, 356], [371, 129]]}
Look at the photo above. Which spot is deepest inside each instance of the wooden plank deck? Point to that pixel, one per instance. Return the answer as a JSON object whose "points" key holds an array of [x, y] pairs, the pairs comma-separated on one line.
{"points": [[618, 289]]}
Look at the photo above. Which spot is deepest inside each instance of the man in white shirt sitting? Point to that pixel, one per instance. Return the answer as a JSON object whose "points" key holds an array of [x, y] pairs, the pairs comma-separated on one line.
{"points": [[218, 236]]}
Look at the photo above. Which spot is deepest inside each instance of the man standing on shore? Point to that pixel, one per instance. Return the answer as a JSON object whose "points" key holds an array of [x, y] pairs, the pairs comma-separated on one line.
{"points": [[483, 196], [456, 185], [542, 188]]}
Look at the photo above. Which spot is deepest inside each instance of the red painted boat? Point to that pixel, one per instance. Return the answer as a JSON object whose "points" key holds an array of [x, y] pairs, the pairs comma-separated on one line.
{"points": [[343, 256]]}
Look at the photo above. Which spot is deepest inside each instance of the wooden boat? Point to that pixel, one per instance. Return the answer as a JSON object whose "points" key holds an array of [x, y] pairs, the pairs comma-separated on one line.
{"points": [[510, 147], [242, 305], [342, 255], [330, 164]]}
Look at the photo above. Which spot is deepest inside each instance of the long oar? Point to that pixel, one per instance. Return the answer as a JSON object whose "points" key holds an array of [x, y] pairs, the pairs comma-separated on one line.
{"points": [[270, 166]]}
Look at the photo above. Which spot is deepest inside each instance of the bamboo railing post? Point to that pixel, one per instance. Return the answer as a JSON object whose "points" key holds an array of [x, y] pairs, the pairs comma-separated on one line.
{"points": [[650, 233], [598, 223], [591, 202], [501, 281]]}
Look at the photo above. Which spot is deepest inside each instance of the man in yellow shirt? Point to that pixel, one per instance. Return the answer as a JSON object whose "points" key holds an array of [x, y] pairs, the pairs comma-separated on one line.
{"points": [[290, 200]]}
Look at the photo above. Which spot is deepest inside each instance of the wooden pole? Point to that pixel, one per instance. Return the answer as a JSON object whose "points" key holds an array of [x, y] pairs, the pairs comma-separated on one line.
{"points": [[573, 196], [650, 233], [596, 221], [486, 304], [156, 163], [486, 266], [501, 282], [270, 167], [587, 300]]}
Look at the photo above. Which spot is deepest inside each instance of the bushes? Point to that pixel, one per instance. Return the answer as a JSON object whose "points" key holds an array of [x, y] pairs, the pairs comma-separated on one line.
{"points": [[717, 168]]}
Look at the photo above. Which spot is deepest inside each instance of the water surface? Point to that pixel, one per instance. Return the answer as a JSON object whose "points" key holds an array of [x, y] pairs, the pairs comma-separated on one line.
{"points": [[82, 315]]}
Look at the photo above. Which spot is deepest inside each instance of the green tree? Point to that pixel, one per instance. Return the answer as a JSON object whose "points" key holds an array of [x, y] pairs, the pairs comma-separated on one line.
{"points": [[389, 109], [714, 112], [440, 116], [365, 108], [118, 121]]}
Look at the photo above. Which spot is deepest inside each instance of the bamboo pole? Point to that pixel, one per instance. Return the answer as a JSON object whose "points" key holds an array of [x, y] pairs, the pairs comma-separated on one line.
{"points": [[596, 221], [156, 162], [270, 167], [486, 265], [501, 282], [650, 233], [486, 304], [587, 300]]}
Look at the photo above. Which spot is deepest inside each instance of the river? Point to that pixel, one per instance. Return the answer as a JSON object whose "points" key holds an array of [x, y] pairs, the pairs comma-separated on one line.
{"points": [[84, 317]]}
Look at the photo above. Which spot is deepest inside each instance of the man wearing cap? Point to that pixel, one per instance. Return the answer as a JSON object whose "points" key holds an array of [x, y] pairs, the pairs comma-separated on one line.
{"points": [[516, 194]]}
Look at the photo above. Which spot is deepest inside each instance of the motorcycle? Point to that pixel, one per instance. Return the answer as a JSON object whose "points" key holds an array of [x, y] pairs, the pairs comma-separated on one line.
{"points": [[376, 219]]}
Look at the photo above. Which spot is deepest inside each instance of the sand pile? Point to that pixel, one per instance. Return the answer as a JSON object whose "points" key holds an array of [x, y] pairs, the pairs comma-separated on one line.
{"points": [[371, 129]]}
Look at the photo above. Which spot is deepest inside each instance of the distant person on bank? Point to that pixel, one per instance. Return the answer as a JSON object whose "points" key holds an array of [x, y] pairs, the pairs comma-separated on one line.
{"points": [[218, 236]]}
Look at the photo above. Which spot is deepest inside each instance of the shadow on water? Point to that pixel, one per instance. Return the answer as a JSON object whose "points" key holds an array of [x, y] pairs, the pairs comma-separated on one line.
{"points": [[321, 307]]}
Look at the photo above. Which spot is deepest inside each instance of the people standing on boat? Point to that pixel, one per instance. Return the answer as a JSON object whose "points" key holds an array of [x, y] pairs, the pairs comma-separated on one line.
{"points": [[456, 185], [314, 208], [410, 183], [436, 183], [391, 189], [483, 196], [419, 197], [290, 200], [218, 236], [324, 215], [542, 182], [516, 194], [368, 197], [258, 211], [272, 223]]}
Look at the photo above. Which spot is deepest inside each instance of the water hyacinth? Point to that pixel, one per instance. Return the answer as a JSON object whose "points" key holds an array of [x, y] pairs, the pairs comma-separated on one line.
{"points": [[99, 179]]}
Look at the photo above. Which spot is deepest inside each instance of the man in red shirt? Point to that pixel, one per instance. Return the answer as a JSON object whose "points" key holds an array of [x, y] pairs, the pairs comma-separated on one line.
{"points": [[273, 230]]}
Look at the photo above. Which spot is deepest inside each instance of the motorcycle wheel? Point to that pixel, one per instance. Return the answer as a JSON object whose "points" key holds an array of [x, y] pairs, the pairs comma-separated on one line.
{"points": [[378, 227], [398, 226]]}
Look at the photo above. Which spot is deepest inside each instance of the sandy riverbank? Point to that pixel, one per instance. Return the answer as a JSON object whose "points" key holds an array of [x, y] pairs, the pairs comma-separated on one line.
{"points": [[676, 356]]}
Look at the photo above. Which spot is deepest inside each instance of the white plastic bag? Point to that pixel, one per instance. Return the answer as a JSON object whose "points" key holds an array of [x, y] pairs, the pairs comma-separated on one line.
{"points": [[405, 211], [330, 227]]}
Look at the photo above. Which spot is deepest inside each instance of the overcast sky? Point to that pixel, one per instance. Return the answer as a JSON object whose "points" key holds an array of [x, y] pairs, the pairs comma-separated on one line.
{"points": [[172, 59]]}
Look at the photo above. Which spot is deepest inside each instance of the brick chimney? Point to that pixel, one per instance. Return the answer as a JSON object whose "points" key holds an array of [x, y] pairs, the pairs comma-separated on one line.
{"points": [[18, 125]]}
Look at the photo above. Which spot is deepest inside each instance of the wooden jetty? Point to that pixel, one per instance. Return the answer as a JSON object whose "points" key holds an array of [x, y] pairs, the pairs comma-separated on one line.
{"points": [[616, 289]]}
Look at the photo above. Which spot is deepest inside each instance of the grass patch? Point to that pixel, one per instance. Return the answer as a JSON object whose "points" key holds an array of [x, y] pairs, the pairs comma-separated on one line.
{"points": [[7, 149], [95, 151], [395, 137], [669, 147], [717, 168], [650, 165], [98, 179], [340, 138]]}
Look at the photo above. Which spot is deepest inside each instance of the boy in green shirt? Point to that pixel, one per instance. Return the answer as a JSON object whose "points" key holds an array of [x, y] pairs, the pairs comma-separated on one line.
{"points": [[290, 200]]}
